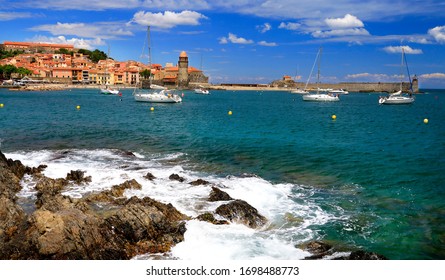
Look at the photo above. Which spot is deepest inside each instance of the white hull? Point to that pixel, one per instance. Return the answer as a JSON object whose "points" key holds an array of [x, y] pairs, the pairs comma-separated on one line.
{"points": [[109, 91], [320, 97], [396, 100], [339, 91], [201, 91], [299, 91], [157, 97]]}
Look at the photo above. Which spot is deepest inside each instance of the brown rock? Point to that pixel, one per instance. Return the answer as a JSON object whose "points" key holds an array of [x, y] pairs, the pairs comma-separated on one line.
{"points": [[78, 176], [218, 195], [199, 182], [176, 177], [241, 212]]}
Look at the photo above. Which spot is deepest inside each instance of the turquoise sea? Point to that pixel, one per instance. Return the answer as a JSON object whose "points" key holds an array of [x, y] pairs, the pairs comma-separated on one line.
{"points": [[373, 178]]}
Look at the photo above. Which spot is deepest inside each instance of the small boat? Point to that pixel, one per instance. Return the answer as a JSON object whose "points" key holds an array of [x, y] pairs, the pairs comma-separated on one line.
{"points": [[201, 90], [162, 96], [299, 91], [156, 93], [323, 97], [108, 91], [339, 91], [396, 98], [399, 98]]}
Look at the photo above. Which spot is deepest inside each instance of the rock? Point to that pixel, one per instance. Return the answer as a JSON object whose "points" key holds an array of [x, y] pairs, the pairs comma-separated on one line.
{"points": [[9, 182], [199, 182], [176, 177], [49, 194], [241, 212], [363, 255], [318, 249], [117, 191], [208, 217], [72, 234], [218, 195], [78, 177], [321, 249], [149, 176]]}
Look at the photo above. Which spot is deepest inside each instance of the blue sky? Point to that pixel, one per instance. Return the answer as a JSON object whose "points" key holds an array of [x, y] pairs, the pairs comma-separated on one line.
{"points": [[248, 41]]}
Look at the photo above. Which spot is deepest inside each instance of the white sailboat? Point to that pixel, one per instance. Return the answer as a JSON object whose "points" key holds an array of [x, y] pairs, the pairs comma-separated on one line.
{"points": [[398, 98], [325, 97], [155, 94], [107, 90], [299, 90]]}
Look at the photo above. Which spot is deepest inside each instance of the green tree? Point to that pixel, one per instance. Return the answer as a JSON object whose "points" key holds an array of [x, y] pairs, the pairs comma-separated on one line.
{"points": [[97, 55], [64, 51], [145, 73], [7, 70], [23, 71]]}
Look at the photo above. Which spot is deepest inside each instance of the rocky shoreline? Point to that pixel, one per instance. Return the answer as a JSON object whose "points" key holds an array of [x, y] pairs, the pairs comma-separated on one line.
{"points": [[107, 225]]}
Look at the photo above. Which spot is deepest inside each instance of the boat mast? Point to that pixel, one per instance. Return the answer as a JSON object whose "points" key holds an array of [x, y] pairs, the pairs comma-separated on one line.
{"points": [[149, 54], [407, 71], [318, 75], [401, 71]]}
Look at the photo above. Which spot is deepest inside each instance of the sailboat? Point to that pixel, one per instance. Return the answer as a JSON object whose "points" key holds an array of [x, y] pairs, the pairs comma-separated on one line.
{"points": [[299, 90], [398, 98], [326, 97], [156, 94], [107, 90]]}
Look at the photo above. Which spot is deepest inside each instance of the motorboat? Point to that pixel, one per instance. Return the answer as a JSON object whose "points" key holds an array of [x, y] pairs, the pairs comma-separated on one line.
{"points": [[327, 97], [202, 90], [299, 91], [339, 91], [108, 90], [162, 96]]}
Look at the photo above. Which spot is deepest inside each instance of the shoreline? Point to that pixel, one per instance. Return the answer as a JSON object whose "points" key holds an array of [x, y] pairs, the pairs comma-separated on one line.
{"points": [[51, 87]]}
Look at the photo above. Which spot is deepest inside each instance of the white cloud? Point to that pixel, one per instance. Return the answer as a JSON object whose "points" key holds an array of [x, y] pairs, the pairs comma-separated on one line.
{"points": [[223, 40], [232, 38], [341, 32], [369, 77], [290, 25], [438, 33], [440, 76], [267, 44], [264, 28], [168, 19], [5, 16], [398, 49], [346, 22], [80, 43], [91, 30]]}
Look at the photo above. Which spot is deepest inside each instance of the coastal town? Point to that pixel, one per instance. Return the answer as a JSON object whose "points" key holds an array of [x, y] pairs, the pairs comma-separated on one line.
{"points": [[62, 64], [54, 66]]}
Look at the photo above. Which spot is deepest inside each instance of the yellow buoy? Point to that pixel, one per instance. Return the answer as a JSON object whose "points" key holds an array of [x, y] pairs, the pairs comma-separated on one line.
{"points": [[2, 105], [425, 120], [152, 109], [334, 117], [230, 113], [77, 107]]}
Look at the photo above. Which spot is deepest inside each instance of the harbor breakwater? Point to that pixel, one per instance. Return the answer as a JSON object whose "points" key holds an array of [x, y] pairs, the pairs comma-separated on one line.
{"points": [[349, 86]]}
